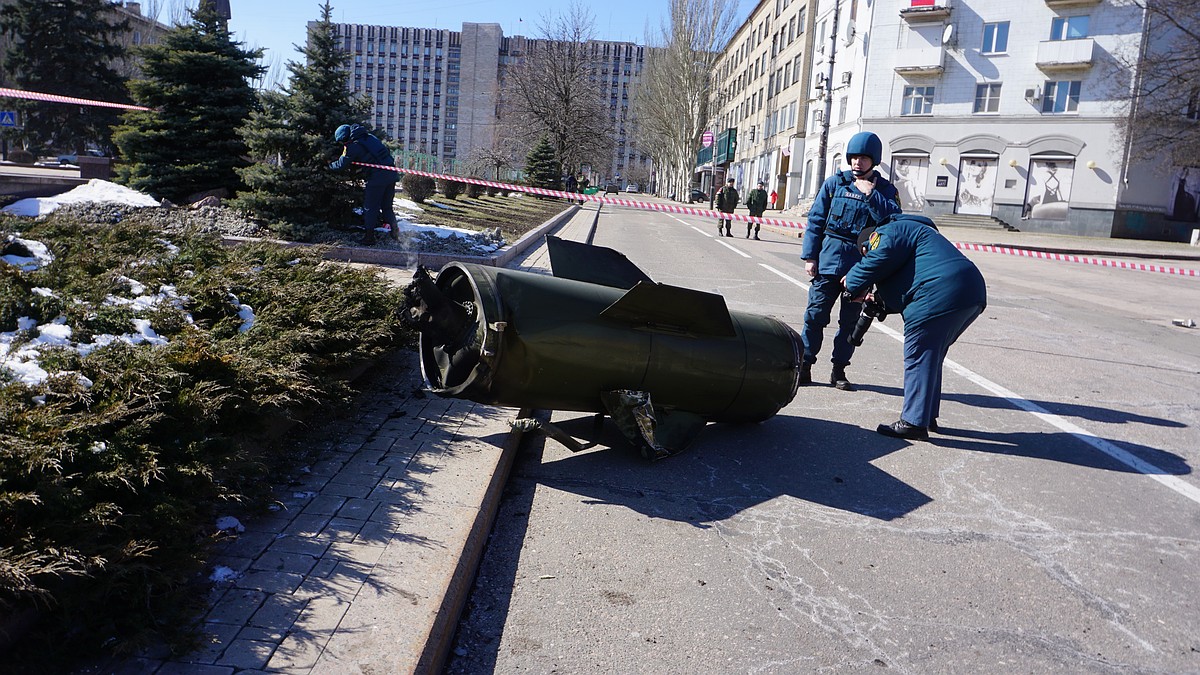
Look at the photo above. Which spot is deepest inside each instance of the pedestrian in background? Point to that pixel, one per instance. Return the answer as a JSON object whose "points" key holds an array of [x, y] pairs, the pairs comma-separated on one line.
{"points": [[572, 184], [774, 198], [915, 271], [727, 201], [380, 193], [584, 184], [848, 202], [756, 201]]}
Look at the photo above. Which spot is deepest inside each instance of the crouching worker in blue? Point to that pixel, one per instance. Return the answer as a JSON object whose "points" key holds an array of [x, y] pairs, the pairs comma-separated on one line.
{"points": [[848, 202], [380, 193], [915, 271]]}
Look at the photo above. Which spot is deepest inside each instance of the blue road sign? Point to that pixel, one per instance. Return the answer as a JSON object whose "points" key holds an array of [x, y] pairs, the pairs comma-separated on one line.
{"points": [[8, 118]]}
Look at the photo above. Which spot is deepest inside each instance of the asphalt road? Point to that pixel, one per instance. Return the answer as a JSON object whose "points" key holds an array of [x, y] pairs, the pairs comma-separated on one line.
{"points": [[1054, 525]]}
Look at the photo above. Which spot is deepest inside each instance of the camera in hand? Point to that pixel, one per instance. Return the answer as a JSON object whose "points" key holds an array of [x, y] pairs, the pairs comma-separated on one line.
{"points": [[871, 310]]}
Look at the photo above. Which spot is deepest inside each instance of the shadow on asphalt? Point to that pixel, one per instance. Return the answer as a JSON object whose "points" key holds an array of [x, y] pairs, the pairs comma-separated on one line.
{"points": [[734, 467], [1056, 446]]}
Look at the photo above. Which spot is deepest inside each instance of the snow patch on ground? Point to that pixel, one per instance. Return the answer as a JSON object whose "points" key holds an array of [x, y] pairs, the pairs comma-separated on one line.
{"points": [[93, 191]]}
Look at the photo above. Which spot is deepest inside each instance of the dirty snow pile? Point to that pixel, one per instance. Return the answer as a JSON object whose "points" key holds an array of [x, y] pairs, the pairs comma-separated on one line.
{"points": [[93, 191]]}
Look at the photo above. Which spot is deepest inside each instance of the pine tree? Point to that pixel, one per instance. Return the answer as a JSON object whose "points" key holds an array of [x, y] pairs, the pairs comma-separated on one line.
{"points": [[65, 47], [197, 86], [542, 168], [291, 187]]}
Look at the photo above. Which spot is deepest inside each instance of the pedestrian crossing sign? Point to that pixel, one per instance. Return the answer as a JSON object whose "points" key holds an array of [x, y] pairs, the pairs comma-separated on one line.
{"points": [[8, 118]]}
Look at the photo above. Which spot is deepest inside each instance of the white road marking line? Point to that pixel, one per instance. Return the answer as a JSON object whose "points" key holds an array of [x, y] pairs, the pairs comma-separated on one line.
{"points": [[1124, 457], [734, 249]]}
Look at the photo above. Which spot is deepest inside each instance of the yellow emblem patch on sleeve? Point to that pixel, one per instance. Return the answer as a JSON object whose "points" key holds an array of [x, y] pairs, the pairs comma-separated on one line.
{"points": [[873, 242]]}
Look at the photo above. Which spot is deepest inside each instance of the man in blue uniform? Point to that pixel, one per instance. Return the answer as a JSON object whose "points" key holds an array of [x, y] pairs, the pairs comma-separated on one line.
{"points": [[380, 193], [848, 202], [915, 271]]}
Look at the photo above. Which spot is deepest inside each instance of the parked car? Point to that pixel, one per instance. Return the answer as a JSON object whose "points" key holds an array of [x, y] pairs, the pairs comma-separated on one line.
{"points": [[612, 189], [632, 187], [698, 196]]}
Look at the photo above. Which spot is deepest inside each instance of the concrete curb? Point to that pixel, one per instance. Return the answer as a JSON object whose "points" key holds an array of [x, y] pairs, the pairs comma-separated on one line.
{"points": [[462, 579]]}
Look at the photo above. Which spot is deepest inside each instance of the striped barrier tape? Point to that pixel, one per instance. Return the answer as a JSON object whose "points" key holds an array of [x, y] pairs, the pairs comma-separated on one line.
{"points": [[1067, 257], [578, 196], [707, 213], [55, 98]]}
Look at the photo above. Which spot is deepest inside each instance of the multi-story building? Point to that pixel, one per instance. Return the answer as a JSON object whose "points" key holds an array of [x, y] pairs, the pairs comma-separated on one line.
{"points": [[1013, 110], [761, 86], [439, 93], [1009, 110]]}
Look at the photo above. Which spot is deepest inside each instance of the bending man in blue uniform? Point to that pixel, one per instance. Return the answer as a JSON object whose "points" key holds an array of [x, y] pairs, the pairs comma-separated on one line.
{"points": [[380, 193], [915, 271], [848, 202]]}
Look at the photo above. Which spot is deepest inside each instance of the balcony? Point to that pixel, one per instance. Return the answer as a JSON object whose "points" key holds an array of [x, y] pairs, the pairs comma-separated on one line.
{"points": [[1063, 4], [920, 60], [917, 11], [1056, 55]]}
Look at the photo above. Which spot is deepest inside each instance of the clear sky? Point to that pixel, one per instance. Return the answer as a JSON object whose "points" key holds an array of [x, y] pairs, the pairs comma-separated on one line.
{"points": [[277, 25]]}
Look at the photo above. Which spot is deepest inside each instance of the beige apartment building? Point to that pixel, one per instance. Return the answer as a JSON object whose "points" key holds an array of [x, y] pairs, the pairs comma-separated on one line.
{"points": [[761, 84]]}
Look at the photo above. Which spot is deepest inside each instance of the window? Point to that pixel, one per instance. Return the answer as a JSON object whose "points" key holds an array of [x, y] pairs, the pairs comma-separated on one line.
{"points": [[995, 38], [1069, 28], [1193, 106], [917, 101], [1061, 97], [987, 98]]}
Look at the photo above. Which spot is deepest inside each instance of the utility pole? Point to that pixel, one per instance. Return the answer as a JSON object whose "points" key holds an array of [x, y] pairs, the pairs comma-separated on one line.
{"points": [[828, 93]]}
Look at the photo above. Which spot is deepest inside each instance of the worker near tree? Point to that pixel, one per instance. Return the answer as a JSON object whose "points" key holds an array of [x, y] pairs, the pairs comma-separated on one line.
{"points": [[361, 147]]}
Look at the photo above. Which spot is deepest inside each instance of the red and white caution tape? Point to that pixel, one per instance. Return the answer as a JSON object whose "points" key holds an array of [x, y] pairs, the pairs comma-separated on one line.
{"points": [[687, 210], [578, 196], [1067, 257], [55, 98]]}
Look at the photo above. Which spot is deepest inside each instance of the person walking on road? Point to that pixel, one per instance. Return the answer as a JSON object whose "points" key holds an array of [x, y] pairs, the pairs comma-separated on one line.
{"points": [[848, 202], [727, 201], [915, 271], [380, 192], [756, 201]]}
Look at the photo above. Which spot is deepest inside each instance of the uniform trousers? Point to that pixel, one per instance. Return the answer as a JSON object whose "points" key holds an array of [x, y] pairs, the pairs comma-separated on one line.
{"points": [[822, 294], [925, 348]]}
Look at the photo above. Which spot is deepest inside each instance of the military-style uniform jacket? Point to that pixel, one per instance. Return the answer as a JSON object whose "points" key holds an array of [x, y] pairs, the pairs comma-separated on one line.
{"points": [[363, 147], [756, 201], [839, 213], [727, 199], [917, 271]]}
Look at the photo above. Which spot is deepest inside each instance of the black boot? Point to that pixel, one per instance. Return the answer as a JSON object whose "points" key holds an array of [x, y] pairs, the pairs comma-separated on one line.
{"points": [[805, 374], [902, 429], [838, 379]]}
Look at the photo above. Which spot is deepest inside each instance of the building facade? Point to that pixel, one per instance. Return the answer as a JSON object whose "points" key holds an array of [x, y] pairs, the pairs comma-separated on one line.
{"points": [[762, 90], [439, 93], [1008, 110]]}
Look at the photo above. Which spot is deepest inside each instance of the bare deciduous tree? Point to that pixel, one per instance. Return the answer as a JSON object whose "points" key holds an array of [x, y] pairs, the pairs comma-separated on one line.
{"points": [[672, 103], [1162, 113], [552, 91]]}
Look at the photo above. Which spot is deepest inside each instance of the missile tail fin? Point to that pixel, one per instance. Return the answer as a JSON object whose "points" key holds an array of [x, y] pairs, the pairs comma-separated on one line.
{"points": [[592, 264], [662, 307]]}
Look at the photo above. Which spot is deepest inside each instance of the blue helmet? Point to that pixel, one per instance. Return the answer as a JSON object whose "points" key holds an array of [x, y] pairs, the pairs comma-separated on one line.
{"points": [[343, 134], [865, 143]]}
